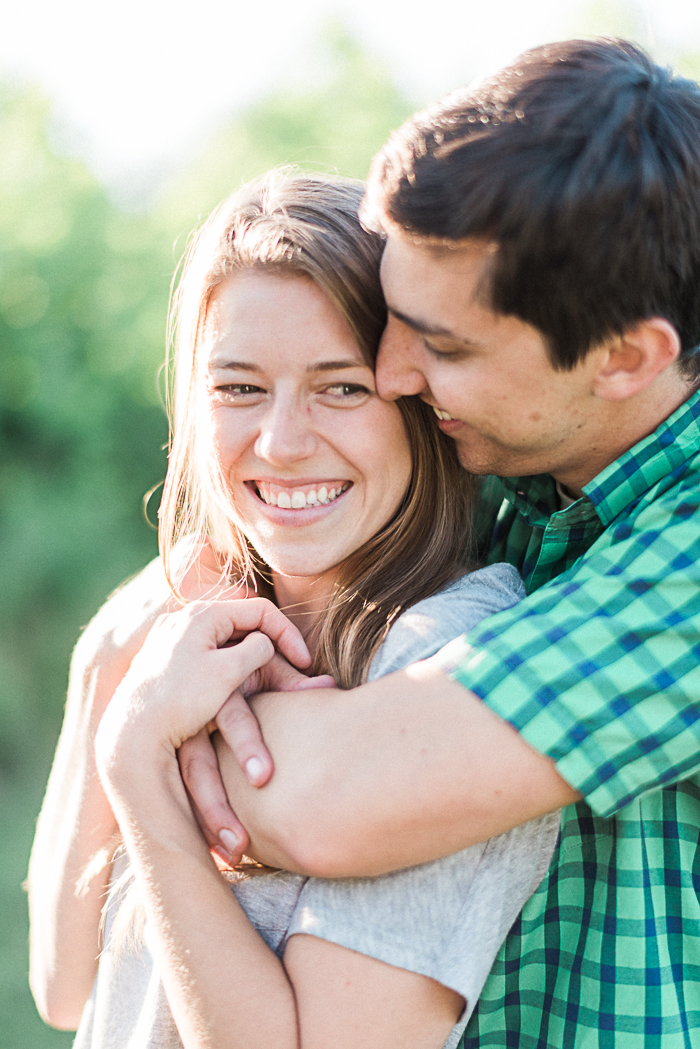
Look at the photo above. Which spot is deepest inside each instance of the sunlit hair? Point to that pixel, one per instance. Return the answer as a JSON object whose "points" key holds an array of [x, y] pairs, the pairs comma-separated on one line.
{"points": [[301, 224]]}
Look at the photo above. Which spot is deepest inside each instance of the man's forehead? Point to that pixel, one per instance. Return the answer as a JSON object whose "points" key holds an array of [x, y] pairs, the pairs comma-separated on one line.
{"points": [[434, 244], [433, 281], [404, 249]]}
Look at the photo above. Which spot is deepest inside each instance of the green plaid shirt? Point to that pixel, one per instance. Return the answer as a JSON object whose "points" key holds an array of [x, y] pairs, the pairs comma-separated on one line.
{"points": [[599, 668]]}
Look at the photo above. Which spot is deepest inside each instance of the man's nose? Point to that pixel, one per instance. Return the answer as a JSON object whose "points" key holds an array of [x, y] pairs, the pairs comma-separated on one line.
{"points": [[286, 435], [398, 373]]}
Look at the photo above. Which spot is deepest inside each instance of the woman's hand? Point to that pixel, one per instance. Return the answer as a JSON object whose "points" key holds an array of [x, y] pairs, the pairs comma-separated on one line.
{"points": [[71, 857], [225, 986], [191, 663], [199, 766]]}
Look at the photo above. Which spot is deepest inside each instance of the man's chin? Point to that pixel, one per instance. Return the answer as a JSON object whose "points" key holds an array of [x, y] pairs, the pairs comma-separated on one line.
{"points": [[474, 462], [483, 462]]}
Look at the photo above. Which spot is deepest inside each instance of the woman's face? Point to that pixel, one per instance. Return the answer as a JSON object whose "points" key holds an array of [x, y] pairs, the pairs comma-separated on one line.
{"points": [[315, 462]]}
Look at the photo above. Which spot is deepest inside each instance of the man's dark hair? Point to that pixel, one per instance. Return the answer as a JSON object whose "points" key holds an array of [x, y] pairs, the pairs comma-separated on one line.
{"points": [[582, 162]]}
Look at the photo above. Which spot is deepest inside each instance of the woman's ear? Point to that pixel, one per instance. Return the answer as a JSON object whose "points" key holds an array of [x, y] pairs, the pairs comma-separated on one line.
{"points": [[636, 358]]}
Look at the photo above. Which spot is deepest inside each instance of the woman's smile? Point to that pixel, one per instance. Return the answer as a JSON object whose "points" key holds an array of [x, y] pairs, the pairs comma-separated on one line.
{"points": [[296, 504], [299, 495]]}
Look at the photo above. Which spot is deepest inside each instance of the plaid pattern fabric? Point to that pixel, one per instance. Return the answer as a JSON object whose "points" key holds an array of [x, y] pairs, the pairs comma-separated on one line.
{"points": [[599, 668]]}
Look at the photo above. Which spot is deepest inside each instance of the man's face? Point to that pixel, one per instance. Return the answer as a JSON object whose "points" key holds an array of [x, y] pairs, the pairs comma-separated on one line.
{"points": [[510, 412]]}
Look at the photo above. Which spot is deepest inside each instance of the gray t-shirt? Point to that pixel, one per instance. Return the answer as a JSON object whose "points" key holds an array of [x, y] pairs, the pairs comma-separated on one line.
{"points": [[445, 919]]}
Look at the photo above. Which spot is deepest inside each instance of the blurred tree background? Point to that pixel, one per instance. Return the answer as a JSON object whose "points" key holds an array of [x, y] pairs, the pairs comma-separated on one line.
{"points": [[83, 302]]}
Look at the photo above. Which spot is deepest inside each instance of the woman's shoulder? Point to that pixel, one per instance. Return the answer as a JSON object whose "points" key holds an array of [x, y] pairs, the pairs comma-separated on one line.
{"points": [[117, 631], [499, 584], [430, 624]]}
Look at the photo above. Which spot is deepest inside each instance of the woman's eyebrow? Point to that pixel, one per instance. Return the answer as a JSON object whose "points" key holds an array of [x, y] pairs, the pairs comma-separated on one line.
{"points": [[331, 366], [321, 366], [238, 366]]}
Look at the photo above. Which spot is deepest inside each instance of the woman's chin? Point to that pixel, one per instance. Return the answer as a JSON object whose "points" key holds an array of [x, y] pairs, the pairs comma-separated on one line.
{"points": [[293, 566]]}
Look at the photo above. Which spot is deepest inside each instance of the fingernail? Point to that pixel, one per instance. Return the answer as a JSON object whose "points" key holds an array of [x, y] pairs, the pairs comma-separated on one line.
{"points": [[230, 841], [223, 854], [254, 769]]}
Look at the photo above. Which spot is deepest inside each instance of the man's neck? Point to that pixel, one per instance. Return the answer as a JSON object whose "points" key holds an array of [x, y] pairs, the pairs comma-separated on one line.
{"points": [[621, 428]]}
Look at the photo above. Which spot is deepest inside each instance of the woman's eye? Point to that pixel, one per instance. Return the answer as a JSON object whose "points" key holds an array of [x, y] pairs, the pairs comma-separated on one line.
{"points": [[344, 390], [238, 391]]}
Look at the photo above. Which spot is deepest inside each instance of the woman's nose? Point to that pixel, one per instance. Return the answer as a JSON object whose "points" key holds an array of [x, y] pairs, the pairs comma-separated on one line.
{"points": [[286, 435]]}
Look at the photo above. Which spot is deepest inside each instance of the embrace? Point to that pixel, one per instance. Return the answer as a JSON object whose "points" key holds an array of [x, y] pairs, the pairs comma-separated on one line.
{"points": [[397, 746]]}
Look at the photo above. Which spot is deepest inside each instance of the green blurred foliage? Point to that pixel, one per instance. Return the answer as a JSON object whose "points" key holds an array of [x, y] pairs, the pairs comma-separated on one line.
{"points": [[618, 18], [83, 303], [83, 296]]}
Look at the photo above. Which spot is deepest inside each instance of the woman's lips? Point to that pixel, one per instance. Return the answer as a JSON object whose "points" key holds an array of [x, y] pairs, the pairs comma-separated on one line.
{"points": [[301, 496]]}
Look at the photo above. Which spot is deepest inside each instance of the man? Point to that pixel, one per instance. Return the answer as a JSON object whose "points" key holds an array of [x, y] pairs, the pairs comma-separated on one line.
{"points": [[541, 273]]}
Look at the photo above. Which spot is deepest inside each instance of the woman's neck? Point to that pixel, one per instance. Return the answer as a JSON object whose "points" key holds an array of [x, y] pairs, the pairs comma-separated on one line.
{"points": [[303, 599]]}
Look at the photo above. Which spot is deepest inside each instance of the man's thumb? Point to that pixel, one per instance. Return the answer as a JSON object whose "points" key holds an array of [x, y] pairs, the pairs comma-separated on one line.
{"points": [[320, 681]]}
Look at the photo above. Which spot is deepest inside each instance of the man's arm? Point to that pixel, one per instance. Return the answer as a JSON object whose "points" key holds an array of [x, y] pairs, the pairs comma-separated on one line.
{"points": [[400, 771], [599, 672]]}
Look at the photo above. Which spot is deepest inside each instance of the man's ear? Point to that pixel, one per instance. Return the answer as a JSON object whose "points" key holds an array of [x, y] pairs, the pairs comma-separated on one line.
{"points": [[637, 357]]}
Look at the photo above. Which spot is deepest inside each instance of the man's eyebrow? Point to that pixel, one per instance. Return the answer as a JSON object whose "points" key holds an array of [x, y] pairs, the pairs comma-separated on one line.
{"points": [[421, 326]]}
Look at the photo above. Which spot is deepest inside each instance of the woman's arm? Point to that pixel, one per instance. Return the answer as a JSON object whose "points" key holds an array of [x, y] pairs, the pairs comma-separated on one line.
{"points": [[226, 988], [347, 1000], [71, 857], [76, 825]]}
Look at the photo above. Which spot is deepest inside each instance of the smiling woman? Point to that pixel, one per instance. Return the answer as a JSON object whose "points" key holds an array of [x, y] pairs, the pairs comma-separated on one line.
{"points": [[290, 476], [304, 484], [315, 463]]}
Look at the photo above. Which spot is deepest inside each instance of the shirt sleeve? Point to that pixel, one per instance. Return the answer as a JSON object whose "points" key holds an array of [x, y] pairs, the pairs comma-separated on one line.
{"points": [[600, 668], [445, 919]]}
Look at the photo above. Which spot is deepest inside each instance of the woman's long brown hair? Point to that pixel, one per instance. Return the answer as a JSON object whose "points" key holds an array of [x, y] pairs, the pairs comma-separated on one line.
{"points": [[308, 225]]}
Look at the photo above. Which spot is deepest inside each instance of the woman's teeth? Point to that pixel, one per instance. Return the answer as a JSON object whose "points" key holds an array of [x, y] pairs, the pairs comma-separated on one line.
{"points": [[299, 500], [441, 414]]}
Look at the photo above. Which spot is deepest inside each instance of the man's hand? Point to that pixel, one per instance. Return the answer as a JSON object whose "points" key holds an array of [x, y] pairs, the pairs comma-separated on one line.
{"points": [[224, 833]]}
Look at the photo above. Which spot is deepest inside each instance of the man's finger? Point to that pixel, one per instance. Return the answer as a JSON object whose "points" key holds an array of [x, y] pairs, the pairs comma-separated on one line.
{"points": [[239, 727], [280, 676], [200, 772], [320, 681]]}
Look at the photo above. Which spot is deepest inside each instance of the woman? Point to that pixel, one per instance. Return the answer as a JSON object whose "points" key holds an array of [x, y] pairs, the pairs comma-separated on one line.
{"points": [[289, 476]]}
